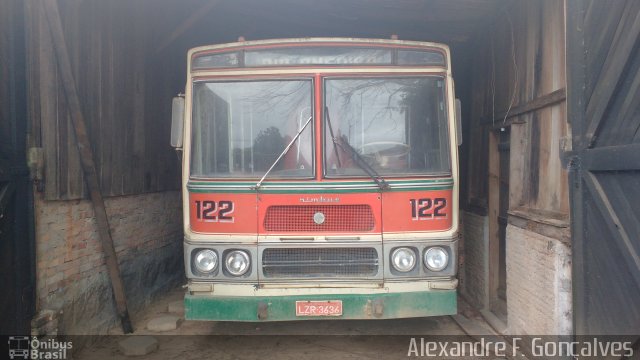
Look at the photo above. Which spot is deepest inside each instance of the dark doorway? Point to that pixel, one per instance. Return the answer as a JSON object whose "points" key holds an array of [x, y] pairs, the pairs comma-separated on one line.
{"points": [[16, 233]]}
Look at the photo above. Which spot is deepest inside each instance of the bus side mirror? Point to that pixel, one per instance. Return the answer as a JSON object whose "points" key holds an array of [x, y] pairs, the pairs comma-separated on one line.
{"points": [[458, 122], [177, 121]]}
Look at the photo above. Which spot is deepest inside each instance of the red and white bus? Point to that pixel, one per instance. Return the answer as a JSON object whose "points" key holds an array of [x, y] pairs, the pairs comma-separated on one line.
{"points": [[320, 180]]}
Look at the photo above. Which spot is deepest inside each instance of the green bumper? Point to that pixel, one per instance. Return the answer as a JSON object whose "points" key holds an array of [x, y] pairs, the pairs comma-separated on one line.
{"points": [[354, 306]]}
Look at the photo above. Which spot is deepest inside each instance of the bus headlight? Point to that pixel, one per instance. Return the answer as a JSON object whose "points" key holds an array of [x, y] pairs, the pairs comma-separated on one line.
{"points": [[206, 260], [237, 262], [403, 259], [436, 258]]}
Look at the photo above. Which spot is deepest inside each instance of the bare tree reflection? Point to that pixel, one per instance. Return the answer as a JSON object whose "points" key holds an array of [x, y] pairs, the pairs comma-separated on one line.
{"points": [[397, 123]]}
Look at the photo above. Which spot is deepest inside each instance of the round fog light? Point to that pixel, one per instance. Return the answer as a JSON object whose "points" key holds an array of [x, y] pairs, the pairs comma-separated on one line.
{"points": [[403, 259], [436, 258], [237, 262], [206, 260]]}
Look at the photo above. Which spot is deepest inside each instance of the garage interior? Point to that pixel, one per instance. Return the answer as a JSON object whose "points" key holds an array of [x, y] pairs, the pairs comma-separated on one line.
{"points": [[129, 60]]}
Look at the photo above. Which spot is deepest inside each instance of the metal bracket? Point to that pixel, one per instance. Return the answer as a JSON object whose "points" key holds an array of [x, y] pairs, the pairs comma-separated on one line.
{"points": [[378, 307], [574, 166], [263, 310]]}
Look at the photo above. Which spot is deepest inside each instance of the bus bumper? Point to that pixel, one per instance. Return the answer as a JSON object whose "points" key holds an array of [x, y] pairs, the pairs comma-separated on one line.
{"points": [[354, 306]]}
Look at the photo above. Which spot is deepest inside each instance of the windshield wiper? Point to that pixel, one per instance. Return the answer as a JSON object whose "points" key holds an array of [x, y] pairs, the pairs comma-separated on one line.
{"points": [[359, 160], [284, 152]]}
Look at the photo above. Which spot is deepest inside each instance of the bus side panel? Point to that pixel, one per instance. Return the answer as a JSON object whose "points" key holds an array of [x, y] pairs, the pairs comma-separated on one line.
{"points": [[223, 213]]}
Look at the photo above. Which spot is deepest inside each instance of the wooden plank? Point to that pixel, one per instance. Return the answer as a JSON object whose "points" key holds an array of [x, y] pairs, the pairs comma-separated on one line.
{"points": [[552, 225], [530, 106], [88, 164], [95, 87], [623, 192], [32, 46], [494, 209], [600, 24], [628, 123], [142, 29], [519, 164], [63, 127], [70, 160], [621, 122], [552, 178], [615, 226], [624, 42], [118, 119], [130, 71], [107, 103], [62, 144], [48, 95]]}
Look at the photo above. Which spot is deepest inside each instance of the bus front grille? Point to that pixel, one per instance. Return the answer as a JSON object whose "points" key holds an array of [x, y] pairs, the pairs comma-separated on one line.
{"points": [[319, 262], [335, 218]]}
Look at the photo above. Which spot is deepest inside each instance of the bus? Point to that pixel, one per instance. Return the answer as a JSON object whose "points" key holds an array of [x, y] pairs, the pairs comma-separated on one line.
{"points": [[320, 180]]}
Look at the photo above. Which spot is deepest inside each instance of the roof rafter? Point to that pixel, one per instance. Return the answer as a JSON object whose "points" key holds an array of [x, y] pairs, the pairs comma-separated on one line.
{"points": [[187, 24]]}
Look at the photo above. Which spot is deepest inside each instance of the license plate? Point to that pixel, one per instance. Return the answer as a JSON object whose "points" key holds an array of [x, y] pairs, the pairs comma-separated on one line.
{"points": [[319, 308]]}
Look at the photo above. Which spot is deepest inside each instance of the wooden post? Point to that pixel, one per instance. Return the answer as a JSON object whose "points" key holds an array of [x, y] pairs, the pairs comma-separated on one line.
{"points": [[494, 212], [86, 160]]}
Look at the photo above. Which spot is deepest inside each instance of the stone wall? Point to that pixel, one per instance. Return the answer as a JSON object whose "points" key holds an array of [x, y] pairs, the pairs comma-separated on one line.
{"points": [[538, 284], [72, 278]]}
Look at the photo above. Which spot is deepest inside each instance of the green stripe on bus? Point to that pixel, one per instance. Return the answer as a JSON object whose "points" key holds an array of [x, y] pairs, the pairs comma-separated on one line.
{"points": [[323, 183], [314, 191]]}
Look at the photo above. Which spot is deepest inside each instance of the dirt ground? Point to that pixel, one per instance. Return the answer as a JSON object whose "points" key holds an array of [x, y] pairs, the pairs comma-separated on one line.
{"points": [[320, 339]]}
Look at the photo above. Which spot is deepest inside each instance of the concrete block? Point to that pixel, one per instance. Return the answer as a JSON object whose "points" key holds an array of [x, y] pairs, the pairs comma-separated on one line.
{"points": [[138, 345], [537, 281], [164, 323], [176, 307], [476, 254]]}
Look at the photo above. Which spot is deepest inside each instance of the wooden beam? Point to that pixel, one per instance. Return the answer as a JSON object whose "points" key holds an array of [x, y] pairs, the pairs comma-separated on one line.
{"points": [[545, 223], [187, 24], [538, 103], [86, 160], [576, 84], [615, 226], [612, 158]]}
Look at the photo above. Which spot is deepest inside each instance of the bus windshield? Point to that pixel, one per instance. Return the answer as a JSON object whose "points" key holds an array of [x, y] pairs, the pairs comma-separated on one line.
{"points": [[397, 125], [241, 127]]}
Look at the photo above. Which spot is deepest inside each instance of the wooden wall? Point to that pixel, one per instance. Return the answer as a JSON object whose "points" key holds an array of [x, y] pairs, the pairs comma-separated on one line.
{"points": [[125, 90], [518, 80], [126, 85], [9, 80]]}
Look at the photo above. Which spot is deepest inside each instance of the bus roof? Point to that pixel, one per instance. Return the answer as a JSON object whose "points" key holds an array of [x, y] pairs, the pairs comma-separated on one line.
{"points": [[320, 41], [319, 51]]}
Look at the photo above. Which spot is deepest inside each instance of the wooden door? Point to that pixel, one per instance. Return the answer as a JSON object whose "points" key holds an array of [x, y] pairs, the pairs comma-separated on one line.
{"points": [[603, 97]]}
